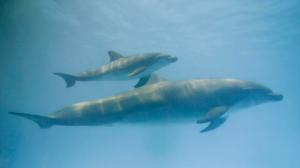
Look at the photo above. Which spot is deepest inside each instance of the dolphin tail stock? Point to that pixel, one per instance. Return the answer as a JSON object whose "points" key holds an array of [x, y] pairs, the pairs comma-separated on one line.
{"points": [[69, 79], [42, 121]]}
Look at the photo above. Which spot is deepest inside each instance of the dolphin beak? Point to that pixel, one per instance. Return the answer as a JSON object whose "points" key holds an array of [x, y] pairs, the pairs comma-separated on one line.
{"points": [[173, 59], [276, 96]]}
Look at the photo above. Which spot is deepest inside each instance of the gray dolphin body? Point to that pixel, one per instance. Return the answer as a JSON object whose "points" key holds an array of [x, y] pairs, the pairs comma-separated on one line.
{"points": [[123, 68], [201, 101]]}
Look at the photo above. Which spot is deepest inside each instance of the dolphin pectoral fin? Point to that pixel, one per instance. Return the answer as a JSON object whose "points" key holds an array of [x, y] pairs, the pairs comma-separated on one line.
{"points": [[114, 56], [137, 71], [214, 124], [212, 114], [154, 78], [150, 79], [142, 81]]}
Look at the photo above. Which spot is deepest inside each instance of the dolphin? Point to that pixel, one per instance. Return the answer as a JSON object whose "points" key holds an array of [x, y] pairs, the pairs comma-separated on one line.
{"points": [[162, 101], [123, 68]]}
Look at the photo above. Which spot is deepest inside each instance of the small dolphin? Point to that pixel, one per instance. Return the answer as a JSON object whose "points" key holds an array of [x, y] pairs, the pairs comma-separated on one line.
{"points": [[199, 101], [123, 68]]}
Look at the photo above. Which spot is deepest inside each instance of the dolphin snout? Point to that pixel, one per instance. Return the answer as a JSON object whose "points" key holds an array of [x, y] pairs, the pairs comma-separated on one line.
{"points": [[170, 58], [173, 59], [276, 96]]}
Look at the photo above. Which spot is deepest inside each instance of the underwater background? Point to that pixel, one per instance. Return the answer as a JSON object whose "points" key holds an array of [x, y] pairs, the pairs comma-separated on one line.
{"points": [[254, 40]]}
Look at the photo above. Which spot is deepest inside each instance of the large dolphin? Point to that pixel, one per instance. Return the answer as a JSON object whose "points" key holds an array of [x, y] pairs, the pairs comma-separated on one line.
{"points": [[123, 68], [199, 101]]}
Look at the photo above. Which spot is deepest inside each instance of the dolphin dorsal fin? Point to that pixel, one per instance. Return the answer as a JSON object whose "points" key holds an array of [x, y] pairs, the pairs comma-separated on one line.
{"points": [[113, 55]]}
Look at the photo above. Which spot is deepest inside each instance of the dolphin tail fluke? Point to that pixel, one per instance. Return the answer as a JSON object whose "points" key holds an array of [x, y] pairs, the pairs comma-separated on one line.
{"points": [[42, 121], [69, 79]]}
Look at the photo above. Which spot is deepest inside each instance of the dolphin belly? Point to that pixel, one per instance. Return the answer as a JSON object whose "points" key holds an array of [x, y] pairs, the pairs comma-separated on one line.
{"points": [[124, 74], [164, 114]]}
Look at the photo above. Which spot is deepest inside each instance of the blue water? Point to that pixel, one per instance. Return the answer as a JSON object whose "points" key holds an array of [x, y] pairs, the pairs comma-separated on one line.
{"points": [[253, 40]]}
